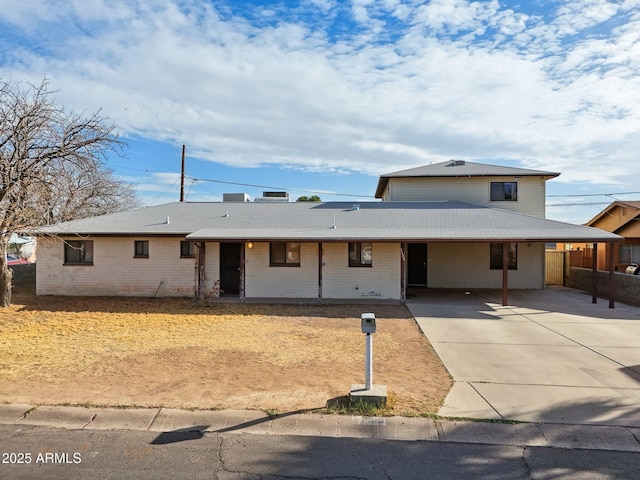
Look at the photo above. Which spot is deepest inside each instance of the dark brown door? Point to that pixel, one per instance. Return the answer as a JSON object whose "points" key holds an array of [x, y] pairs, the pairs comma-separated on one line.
{"points": [[417, 264], [230, 260]]}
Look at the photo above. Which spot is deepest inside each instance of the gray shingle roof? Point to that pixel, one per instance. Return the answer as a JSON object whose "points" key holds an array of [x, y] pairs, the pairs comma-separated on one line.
{"points": [[332, 221], [460, 168]]}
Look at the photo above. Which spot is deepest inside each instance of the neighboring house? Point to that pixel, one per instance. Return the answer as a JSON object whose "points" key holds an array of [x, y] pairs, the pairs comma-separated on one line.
{"points": [[622, 218], [21, 250], [449, 225]]}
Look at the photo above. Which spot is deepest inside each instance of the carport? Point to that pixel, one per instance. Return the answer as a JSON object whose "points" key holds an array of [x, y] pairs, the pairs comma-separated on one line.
{"points": [[408, 270]]}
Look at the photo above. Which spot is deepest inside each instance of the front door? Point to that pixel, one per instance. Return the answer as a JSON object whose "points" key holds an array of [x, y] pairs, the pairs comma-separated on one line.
{"points": [[230, 261], [417, 264]]}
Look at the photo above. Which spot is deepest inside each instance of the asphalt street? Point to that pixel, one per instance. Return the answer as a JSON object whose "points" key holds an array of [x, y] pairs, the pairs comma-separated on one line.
{"points": [[52, 453]]}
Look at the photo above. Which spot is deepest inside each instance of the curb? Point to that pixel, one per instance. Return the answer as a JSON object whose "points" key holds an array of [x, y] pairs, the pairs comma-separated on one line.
{"points": [[165, 420]]}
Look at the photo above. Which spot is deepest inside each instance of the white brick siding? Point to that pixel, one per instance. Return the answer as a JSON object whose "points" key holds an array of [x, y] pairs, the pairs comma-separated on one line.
{"points": [[466, 265], [115, 271], [264, 281], [211, 265], [381, 280]]}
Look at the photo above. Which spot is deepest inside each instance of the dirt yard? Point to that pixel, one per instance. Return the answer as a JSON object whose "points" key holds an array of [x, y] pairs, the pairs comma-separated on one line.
{"points": [[175, 353]]}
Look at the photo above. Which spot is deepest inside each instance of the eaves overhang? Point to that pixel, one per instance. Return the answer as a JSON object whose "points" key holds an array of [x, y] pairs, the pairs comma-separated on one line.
{"points": [[206, 235]]}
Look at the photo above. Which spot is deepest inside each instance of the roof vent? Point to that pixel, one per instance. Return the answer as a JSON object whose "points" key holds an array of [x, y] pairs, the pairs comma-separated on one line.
{"points": [[355, 207], [457, 163]]}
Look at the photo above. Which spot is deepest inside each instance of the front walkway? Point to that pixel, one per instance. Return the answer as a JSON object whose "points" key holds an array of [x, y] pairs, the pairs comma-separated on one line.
{"points": [[550, 356]]}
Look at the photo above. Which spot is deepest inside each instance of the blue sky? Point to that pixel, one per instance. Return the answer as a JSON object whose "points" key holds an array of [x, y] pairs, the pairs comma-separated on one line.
{"points": [[323, 96]]}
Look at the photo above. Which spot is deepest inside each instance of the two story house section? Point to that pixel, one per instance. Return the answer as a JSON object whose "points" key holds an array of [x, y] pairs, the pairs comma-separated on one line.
{"points": [[515, 189], [492, 186]]}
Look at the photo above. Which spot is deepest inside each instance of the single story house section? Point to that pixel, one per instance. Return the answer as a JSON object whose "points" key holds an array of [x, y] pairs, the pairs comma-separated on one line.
{"points": [[302, 250]]}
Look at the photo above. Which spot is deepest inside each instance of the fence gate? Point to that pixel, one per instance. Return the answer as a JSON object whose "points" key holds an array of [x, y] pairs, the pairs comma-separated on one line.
{"points": [[555, 268]]}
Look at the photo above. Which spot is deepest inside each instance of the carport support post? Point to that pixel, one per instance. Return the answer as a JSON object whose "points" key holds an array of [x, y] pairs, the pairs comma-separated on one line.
{"points": [[403, 272], [611, 274], [201, 282], [594, 279], [320, 271]]}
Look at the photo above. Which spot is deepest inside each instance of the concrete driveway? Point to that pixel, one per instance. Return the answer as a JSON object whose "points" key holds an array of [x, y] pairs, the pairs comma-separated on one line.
{"points": [[551, 356]]}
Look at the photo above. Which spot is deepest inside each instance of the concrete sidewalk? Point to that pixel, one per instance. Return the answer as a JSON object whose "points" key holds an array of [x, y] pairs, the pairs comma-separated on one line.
{"points": [[163, 420], [551, 356]]}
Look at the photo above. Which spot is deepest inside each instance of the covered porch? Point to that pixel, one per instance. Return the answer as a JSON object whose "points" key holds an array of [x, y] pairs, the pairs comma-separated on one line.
{"points": [[230, 271]]}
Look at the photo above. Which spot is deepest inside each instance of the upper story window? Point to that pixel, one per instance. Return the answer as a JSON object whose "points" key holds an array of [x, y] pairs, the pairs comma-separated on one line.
{"points": [[78, 252], [504, 191], [187, 249], [141, 249], [360, 254], [284, 254]]}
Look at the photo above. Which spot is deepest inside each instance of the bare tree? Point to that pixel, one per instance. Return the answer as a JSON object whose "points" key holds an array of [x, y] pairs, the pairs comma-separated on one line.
{"points": [[75, 191], [52, 166]]}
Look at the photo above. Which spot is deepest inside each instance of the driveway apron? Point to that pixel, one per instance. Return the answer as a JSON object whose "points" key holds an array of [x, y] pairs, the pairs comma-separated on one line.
{"points": [[550, 356]]}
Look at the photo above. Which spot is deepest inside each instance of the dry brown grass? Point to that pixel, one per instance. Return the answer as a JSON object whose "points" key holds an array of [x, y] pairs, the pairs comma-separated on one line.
{"points": [[175, 353]]}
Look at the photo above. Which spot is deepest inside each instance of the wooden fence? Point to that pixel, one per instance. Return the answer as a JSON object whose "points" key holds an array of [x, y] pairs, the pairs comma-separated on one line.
{"points": [[555, 267]]}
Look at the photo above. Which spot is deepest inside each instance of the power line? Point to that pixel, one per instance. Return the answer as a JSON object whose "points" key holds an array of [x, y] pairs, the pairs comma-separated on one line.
{"points": [[195, 179], [319, 192], [576, 204], [278, 188], [594, 194]]}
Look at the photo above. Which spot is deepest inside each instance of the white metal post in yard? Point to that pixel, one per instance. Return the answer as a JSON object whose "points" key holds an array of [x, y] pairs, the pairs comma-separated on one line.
{"points": [[368, 362], [368, 324], [375, 394]]}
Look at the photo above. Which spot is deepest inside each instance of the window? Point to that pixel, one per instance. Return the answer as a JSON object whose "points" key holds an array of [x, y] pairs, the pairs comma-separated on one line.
{"points": [[629, 253], [284, 254], [496, 256], [78, 252], [187, 249], [360, 254], [624, 253], [141, 249], [504, 191]]}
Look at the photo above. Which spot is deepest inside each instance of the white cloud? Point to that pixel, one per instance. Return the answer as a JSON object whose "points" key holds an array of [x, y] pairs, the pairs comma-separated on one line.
{"points": [[455, 15], [576, 15], [461, 80], [324, 5]]}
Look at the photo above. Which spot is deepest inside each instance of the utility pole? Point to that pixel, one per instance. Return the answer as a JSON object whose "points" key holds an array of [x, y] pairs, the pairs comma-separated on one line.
{"points": [[182, 175]]}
